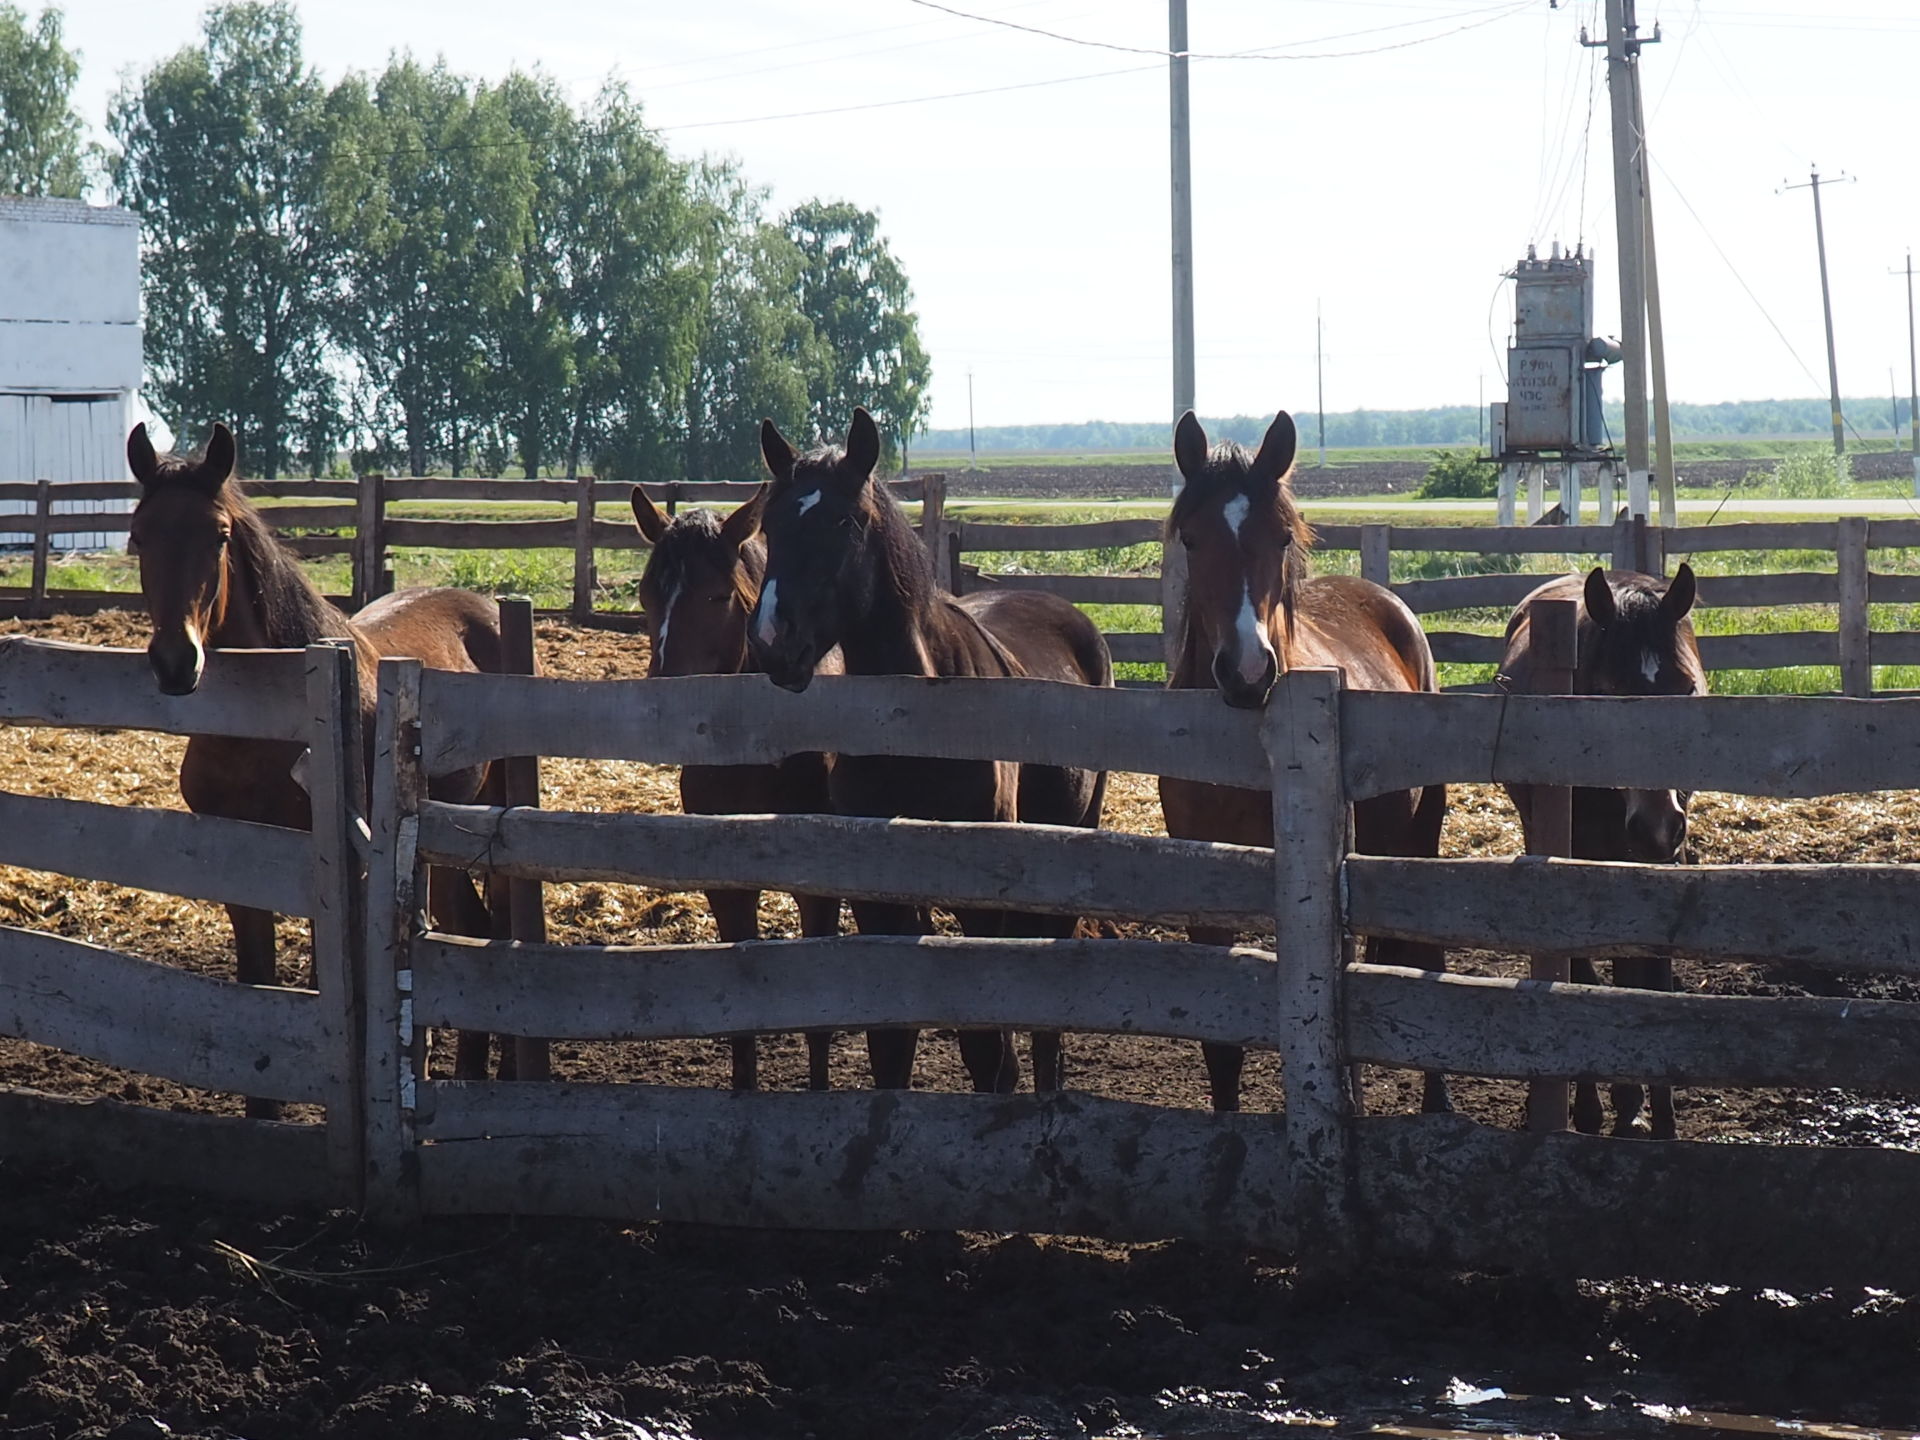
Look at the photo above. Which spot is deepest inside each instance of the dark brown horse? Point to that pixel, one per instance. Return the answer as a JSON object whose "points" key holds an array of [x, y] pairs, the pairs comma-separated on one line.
{"points": [[215, 578], [699, 589], [1635, 638], [1252, 613], [844, 569]]}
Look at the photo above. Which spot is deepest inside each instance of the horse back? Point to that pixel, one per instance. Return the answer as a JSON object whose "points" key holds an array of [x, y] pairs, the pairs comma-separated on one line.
{"points": [[444, 629], [1050, 638], [1363, 628]]}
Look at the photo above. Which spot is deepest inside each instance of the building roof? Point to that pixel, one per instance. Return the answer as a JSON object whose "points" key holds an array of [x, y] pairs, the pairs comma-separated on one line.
{"points": [[63, 212]]}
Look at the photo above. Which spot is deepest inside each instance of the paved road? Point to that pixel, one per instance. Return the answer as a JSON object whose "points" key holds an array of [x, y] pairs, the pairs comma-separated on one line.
{"points": [[1386, 509]]}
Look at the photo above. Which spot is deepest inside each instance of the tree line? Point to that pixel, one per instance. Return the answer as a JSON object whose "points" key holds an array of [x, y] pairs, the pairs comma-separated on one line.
{"points": [[430, 270]]}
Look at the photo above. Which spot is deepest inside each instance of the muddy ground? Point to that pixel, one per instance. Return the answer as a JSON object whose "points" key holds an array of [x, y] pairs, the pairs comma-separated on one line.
{"points": [[124, 1313]]}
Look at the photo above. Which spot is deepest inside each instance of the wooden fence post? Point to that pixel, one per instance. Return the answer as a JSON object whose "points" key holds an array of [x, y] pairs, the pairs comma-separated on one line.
{"points": [[1311, 824], [1554, 632], [1173, 599], [1623, 557], [954, 568], [37, 607], [934, 529], [336, 785], [526, 899], [1376, 554], [369, 539], [583, 577], [392, 1046], [1856, 660]]}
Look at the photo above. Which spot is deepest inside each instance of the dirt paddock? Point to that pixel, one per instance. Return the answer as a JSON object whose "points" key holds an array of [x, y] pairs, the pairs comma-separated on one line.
{"points": [[124, 1313]]}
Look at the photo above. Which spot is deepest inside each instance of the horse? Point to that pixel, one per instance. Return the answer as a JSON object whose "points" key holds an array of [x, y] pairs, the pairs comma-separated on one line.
{"points": [[214, 578], [698, 591], [1252, 612], [844, 569], [1634, 638]]}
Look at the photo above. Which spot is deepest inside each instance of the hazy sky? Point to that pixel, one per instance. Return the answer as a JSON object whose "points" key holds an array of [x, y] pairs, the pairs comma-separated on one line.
{"points": [[1392, 187]]}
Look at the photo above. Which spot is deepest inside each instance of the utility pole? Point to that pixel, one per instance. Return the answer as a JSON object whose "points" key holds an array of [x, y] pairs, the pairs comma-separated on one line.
{"points": [[1826, 304], [1320, 378], [1913, 379], [973, 453], [1179, 138], [1656, 333], [1623, 59]]}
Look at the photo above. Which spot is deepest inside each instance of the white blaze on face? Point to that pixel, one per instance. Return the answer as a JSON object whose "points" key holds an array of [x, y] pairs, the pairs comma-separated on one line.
{"points": [[1254, 648], [809, 500], [666, 620], [1235, 513], [1650, 666], [765, 623]]}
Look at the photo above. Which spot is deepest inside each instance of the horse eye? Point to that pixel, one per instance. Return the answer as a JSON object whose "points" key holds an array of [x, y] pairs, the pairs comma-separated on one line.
{"points": [[220, 541]]}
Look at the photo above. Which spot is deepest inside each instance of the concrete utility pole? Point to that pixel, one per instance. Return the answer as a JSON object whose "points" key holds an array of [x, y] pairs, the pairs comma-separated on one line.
{"points": [[1656, 334], [1826, 305], [1913, 380], [1178, 117], [1320, 378], [1629, 226]]}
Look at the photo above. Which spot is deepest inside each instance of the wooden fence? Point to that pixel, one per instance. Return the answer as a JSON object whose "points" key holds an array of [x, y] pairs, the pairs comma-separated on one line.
{"points": [[351, 517], [1320, 1178]]}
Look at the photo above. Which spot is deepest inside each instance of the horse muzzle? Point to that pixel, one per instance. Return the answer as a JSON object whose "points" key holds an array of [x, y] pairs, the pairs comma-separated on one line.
{"points": [[177, 663], [1240, 691], [1656, 827]]}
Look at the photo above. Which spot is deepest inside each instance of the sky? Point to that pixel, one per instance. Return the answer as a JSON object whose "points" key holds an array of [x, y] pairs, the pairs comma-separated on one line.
{"points": [[1384, 170]]}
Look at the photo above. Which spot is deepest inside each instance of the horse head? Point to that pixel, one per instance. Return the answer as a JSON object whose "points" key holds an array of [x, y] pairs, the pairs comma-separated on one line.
{"points": [[1640, 642], [700, 586], [818, 517], [1246, 550], [180, 533]]}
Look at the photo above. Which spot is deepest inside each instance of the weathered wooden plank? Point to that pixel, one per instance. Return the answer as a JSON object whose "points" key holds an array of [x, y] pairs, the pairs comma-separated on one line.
{"points": [[1089, 535], [1786, 588], [15, 601], [853, 982], [1522, 1029], [1751, 535], [1081, 589], [1479, 539], [67, 523], [1138, 647], [1776, 745], [205, 857], [1895, 647], [480, 534], [294, 489], [1045, 868], [255, 694], [42, 548], [1461, 647], [520, 491], [1775, 651], [1893, 534], [1856, 666], [747, 720], [1469, 592], [1312, 825], [258, 1161], [877, 1160], [583, 528], [1893, 589], [1444, 1193], [311, 517], [160, 1020], [28, 490], [309, 547], [1845, 917]]}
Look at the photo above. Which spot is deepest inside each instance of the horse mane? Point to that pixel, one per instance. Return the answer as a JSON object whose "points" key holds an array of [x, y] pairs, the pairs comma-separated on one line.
{"points": [[1639, 622], [292, 611], [1229, 472], [695, 536]]}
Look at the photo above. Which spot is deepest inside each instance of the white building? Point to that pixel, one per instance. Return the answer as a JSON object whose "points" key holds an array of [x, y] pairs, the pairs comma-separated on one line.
{"points": [[69, 350]]}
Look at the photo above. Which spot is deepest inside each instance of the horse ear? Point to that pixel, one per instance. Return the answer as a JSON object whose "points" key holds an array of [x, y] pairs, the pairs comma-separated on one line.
{"points": [[1677, 603], [1277, 449], [217, 466], [863, 444], [738, 527], [647, 516], [141, 459], [775, 450], [1599, 596], [1190, 446]]}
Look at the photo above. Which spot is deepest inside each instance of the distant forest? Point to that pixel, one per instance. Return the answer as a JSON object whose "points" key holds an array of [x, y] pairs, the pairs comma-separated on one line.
{"points": [[1448, 425]]}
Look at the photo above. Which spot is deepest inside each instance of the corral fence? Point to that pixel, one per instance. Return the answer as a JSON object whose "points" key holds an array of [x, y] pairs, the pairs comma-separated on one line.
{"points": [[352, 518], [1321, 1179]]}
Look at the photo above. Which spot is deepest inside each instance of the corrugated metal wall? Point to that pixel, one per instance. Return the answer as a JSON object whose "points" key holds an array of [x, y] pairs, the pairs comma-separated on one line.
{"points": [[64, 438]]}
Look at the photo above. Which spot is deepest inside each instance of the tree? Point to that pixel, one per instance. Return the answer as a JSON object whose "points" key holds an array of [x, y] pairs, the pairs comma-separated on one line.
{"points": [[41, 152], [755, 351], [857, 297], [224, 155]]}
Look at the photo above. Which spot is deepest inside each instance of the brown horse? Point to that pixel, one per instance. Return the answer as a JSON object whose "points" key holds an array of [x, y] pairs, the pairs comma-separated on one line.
{"points": [[844, 569], [1634, 638], [215, 578], [1252, 612], [699, 589]]}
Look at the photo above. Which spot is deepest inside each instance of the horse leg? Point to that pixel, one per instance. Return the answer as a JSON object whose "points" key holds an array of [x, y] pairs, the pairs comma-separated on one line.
{"points": [[890, 1051], [1224, 1062], [736, 915], [456, 908], [819, 916], [1587, 1114], [989, 1055], [1643, 973], [255, 963]]}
